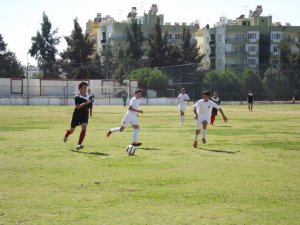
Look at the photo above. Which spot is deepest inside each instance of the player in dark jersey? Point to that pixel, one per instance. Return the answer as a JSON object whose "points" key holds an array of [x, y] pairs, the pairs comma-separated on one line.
{"points": [[250, 100], [214, 111], [80, 114]]}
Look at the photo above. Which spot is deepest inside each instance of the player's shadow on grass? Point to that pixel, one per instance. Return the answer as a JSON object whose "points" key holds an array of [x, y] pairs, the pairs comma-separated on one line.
{"points": [[222, 126], [143, 148], [220, 151], [149, 148], [91, 153]]}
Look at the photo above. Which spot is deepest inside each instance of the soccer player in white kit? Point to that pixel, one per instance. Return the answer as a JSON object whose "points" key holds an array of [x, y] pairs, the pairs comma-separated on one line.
{"points": [[183, 98], [202, 110], [131, 117]]}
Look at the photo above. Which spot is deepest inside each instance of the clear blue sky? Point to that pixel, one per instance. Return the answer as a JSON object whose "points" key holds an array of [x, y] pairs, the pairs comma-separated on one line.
{"points": [[21, 19]]}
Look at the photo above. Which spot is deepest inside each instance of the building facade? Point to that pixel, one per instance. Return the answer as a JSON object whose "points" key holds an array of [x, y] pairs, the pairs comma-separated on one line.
{"points": [[112, 34], [251, 41]]}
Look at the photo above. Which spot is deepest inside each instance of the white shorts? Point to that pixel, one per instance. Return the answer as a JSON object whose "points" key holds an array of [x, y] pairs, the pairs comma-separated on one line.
{"points": [[182, 107], [200, 120], [129, 118]]}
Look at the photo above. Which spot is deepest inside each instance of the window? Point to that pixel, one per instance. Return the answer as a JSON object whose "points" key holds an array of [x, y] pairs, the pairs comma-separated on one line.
{"points": [[274, 49], [170, 36], [239, 36], [276, 36], [252, 48], [251, 62], [251, 35], [178, 36], [239, 49]]}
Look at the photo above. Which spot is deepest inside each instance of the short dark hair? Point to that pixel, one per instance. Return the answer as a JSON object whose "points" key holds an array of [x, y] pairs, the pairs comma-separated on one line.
{"points": [[81, 84], [137, 91], [206, 92]]}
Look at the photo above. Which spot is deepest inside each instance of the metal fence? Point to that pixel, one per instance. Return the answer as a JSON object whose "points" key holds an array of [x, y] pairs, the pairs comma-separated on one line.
{"points": [[269, 83]]}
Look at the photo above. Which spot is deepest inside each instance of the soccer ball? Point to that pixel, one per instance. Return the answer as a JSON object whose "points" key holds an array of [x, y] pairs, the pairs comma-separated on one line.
{"points": [[130, 150]]}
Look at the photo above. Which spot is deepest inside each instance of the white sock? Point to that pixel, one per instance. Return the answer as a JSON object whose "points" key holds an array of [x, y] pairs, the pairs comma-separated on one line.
{"points": [[135, 134], [196, 137], [113, 130], [181, 119], [204, 133]]}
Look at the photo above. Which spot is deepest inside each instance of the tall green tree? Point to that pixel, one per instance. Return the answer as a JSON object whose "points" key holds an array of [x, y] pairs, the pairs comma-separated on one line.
{"points": [[226, 82], [120, 66], [289, 65], [252, 81], [189, 49], [149, 78], [44, 50], [9, 65], [274, 82], [109, 65], [78, 53], [135, 40], [158, 46], [174, 55]]}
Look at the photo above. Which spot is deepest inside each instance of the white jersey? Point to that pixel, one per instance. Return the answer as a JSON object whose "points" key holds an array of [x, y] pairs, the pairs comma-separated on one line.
{"points": [[203, 108], [182, 98], [131, 116], [134, 103]]}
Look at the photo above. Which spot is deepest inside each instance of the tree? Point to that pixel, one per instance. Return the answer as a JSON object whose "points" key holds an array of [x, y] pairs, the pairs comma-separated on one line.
{"points": [[274, 82], [9, 65], [149, 78], [44, 48], [190, 51], [252, 81], [226, 82], [78, 53], [174, 55], [289, 65], [120, 66], [135, 40], [158, 46], [108, 62]]}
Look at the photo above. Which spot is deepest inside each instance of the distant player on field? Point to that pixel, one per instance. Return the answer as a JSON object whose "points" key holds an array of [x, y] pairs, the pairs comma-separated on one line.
{"points": [[202, 110], [250, 100], [131, 117], [183, 98], [214, 112], [80, 114], [90, 96]]}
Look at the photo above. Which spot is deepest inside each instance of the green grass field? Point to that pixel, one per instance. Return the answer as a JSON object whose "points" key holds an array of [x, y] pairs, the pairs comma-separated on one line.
{"points": [[247, 173]]}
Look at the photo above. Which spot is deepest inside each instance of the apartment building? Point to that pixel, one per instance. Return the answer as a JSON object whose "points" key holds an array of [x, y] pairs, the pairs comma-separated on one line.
{"points": [[247, 41], [112, 34]]}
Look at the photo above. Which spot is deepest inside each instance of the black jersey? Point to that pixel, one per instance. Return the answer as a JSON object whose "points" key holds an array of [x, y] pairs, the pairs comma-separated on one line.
{"points": [[217, 101], [250, 97], [80, 115]]}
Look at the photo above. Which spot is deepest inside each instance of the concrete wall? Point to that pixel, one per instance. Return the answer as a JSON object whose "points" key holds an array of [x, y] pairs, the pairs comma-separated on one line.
{"points": [[16, 100]]}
